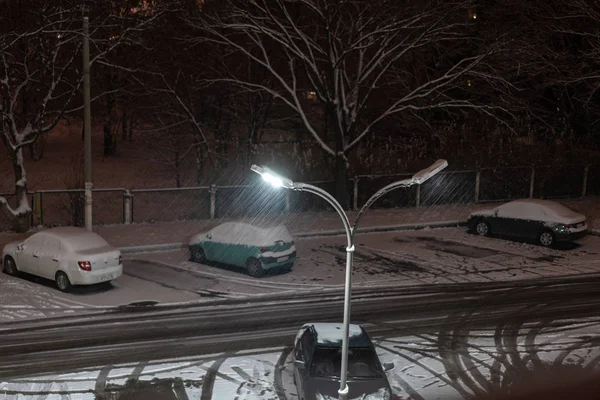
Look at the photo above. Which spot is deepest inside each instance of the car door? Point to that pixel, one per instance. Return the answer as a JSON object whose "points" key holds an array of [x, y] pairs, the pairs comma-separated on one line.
{"points": [[27, 258], [49, 257], [500, 221], [302, 353], [208, 245], [215, 243], [532, 221], [509, 219]]}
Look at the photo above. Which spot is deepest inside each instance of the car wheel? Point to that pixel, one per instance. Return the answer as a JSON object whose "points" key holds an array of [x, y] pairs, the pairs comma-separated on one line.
{"points": [[197, 254], [255, 268], [546, 238], [62, 281], [10, 267], [482, 228]]}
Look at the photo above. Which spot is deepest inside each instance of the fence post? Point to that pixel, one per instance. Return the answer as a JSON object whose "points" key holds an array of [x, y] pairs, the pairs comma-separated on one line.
{"points": [[418, 196], [477, 183], [127, 207], [355, 194], [585, 180], [532, 182], [213, 200], [39, 214], [287, 200], [33, 205]]}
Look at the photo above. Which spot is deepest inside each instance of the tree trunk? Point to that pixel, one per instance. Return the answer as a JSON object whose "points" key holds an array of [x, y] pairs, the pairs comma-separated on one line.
{"points": [[130, 128], [124, 126], [341, 166], [110, 143], [341, 181], [177, 168], [21, 216], [36, 148]]}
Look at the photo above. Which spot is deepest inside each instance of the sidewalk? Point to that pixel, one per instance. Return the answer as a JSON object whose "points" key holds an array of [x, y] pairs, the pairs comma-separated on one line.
{"points": [[307, 224]]}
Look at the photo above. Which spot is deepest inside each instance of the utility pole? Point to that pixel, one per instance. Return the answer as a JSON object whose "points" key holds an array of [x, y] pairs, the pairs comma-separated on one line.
{"points": [[87, 125]]}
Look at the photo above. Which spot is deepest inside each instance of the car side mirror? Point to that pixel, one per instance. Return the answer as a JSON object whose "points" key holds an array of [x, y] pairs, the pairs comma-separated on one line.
{"points": [[388, 366], [208, 236], [20, 247], [299, 364], [496, 213]]}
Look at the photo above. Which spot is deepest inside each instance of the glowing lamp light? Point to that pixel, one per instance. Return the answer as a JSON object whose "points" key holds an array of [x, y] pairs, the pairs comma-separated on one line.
{"points": [[274, 179]]}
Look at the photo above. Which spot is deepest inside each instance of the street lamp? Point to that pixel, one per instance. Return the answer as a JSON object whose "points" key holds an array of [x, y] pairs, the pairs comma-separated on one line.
{"points": [[278, 181]]}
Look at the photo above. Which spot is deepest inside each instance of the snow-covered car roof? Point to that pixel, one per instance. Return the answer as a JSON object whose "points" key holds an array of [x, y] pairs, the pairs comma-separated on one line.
{"points": [[77, 238], [251, 235], [549, 206], [331, 333]]}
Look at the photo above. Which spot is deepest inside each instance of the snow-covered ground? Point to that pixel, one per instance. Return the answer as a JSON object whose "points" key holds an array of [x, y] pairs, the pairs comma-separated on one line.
{"points": [[445, 255], [451, 364]]}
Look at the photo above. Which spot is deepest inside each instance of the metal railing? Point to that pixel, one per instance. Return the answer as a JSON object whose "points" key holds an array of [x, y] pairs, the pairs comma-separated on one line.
{"points": [[119, 205]]}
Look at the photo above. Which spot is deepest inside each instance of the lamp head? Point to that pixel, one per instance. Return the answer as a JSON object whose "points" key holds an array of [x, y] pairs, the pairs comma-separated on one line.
{"points": [[426, 173], [273, 178]]}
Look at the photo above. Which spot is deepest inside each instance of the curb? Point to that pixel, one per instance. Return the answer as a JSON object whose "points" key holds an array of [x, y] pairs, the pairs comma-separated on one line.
{"points": [[337, 232]]}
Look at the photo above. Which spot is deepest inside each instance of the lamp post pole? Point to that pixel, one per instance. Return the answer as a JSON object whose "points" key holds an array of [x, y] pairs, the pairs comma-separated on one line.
{"points": [[87, 125], [279, 181]]}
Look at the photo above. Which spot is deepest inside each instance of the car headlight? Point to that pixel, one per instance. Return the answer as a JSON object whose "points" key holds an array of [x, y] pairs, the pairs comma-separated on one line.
{"points": [[381, 394]]}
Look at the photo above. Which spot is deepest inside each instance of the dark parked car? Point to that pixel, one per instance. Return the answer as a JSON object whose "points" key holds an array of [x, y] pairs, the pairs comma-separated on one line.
{"points": [[317, 364], [544, 221]]}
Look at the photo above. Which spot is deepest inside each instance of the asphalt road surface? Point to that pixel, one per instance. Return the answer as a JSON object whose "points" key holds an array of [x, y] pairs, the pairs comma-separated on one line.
{"points": [[444, 320]]}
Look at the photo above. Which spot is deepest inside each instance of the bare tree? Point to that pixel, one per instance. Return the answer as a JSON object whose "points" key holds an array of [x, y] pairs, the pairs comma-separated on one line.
{"points": [[364, 61], [40, 78], [574, 97], [38, 50]]}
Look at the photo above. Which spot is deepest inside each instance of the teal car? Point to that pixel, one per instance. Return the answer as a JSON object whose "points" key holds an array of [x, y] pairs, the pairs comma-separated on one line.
{"points": [[244, 245]]}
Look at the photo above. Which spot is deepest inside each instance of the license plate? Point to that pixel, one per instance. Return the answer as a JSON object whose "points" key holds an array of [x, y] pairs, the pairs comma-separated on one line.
{"points": [[105, 278], [282, 259]]}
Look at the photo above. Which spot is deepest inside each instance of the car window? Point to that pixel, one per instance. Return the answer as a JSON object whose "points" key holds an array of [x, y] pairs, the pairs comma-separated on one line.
{"points": [[52, 246], [522, 210], [34, 244], [362, 363], [307, 342], [298, 353], [535, 212], [86, 241], [508, 210], [558, 210], [33, 241]]}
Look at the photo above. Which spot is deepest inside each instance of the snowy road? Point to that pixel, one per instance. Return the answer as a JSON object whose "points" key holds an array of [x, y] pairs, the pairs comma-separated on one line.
{"points": [[453, 362], [406, 258]]}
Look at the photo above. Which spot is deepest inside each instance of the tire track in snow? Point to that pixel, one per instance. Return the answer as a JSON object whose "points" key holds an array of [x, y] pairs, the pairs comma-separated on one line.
{"points": [[277, 378], [208, 383]]}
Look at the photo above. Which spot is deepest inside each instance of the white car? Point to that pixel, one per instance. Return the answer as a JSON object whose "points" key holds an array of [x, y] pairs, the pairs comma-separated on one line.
{"points": [[544, 221], [67, 255]]}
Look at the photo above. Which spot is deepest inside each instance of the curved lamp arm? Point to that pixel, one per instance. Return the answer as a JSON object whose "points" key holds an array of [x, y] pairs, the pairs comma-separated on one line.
{"points": [[386, 189], [305, 187]]}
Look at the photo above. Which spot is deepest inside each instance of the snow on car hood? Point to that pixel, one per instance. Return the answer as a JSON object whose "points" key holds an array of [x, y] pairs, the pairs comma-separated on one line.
{"points": [[246, 234], [10, 247]]}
